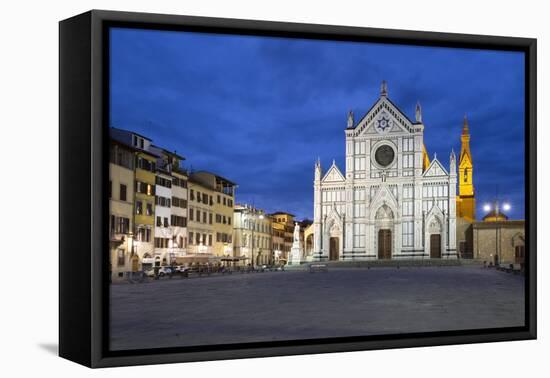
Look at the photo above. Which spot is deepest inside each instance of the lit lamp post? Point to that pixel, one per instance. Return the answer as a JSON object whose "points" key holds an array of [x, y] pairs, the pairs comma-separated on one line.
{"points": [[496, 206], [131, 243], [130, 247]]}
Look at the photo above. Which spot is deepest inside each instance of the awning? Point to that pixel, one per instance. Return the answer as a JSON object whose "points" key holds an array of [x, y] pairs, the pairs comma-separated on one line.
{"points": [[197, 258], [234, 258]]}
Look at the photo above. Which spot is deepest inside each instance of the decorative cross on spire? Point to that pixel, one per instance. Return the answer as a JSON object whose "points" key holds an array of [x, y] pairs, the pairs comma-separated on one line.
{"points": [[384, 88], [465, 127], [418, 112], [350, 119]]}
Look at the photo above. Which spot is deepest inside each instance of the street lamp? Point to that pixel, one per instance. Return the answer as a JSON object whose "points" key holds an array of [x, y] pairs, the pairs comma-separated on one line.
{"points": [[131, 243]]}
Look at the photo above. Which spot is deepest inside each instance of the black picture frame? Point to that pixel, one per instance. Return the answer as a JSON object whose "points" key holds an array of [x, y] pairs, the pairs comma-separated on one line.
{"points": [[83, 167]]}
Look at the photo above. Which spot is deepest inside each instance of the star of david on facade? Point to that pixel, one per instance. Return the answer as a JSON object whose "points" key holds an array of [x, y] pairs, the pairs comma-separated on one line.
{"points": [[383, 123]]}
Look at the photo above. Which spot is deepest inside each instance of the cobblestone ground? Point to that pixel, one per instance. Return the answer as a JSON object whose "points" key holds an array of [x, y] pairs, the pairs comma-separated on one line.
{"points": [[297, 305]]}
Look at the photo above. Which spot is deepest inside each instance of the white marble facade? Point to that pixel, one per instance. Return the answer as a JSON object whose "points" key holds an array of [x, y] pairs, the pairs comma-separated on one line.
{"points": [[390, 204]]}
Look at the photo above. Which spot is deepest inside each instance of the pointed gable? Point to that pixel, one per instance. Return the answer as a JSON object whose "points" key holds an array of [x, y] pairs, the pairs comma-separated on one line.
{"points": [[435, 169], [399, 120], [384, 195], [465, 161], [334, 215], [333, 175]]}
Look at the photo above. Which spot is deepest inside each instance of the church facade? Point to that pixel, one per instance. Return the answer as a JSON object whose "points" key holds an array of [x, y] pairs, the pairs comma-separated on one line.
{"points": [[391, 201]]}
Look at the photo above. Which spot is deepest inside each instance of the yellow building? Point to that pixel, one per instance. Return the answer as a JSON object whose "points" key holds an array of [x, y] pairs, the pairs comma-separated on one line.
{"points": [[144, 196], [278, 240], [210, 225], [121, 208], [283, 233], [465, 201], [145, 206], [308, 241]]}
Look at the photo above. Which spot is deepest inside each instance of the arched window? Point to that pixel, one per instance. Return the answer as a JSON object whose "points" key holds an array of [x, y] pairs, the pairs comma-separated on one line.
{"points": [[466, 175]]}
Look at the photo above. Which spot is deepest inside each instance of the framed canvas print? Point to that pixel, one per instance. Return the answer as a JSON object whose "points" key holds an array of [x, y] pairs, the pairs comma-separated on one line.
{"points": [[234, 188]]}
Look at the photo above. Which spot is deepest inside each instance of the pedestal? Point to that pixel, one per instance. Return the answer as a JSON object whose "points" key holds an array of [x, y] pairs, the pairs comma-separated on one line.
{"points": [[295, 257]]}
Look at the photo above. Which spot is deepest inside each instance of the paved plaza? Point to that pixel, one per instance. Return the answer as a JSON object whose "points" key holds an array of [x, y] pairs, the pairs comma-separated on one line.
{"points": [[297, 305]]}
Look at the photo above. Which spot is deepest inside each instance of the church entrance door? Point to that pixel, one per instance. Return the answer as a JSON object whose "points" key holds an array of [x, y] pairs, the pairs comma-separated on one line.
{"points": [[384, 244], [334, 252], [435, 246]]}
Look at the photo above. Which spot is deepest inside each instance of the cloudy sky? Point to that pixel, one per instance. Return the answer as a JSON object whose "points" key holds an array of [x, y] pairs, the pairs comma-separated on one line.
{"points": [[259, 110]]}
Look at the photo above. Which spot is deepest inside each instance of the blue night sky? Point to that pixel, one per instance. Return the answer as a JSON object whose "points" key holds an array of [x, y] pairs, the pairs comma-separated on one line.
{"points": [[259, 110]]}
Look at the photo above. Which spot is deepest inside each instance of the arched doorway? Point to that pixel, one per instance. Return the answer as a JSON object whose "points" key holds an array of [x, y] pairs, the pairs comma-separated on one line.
{"points": [[435, 246], [384, 219], [434, 230], [333, 237], [384, 244], [334, 249]]}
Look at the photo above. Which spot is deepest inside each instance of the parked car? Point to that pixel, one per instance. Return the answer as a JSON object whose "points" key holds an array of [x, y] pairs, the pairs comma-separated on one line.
{"points": [[162, 271], [180, 269]]}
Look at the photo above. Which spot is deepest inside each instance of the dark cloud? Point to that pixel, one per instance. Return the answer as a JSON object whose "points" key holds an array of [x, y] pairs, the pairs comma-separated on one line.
{"points": [[261, 110]]}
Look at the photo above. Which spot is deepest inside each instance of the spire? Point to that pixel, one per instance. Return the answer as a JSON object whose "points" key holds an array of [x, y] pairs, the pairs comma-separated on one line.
{"points": [[466, 190], [350, 119], [465, 139], [465, 128], [384, 88], [418, 112], [318, 169], [452, 165]]}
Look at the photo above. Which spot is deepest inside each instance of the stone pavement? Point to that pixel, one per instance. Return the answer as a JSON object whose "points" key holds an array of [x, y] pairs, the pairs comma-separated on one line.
{"points": [[297, 305]]}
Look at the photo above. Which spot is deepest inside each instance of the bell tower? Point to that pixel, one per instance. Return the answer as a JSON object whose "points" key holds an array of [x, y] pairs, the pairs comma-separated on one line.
{"points": [[466, 194]]}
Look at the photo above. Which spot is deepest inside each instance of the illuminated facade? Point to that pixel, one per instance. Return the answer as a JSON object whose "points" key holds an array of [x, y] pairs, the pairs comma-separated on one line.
{"points": [[465, 202], [170, 207], [211, 203], [392, 202], [278, 240], [282, 224], [252, 235], [121, 208], [179, 215], [144, 195]]}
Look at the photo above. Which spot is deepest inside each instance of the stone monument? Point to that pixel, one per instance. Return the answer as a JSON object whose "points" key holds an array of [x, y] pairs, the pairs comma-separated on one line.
{"points": [[296, 252]]}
